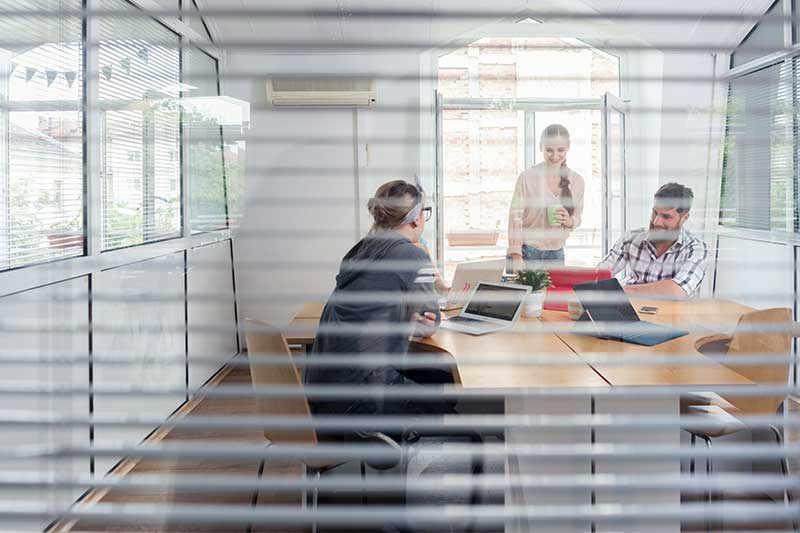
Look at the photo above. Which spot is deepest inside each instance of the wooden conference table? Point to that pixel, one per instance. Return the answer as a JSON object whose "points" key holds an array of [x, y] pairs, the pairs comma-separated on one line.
{"points": [[574, 363], [550, 335]]}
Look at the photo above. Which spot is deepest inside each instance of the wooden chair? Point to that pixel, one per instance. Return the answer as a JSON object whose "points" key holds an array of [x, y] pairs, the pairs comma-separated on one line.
{"points": [[264, 340], [759, 333]]}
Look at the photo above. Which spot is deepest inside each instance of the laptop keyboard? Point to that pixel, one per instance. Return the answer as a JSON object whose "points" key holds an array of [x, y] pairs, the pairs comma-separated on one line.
{"points": [[475, 326], [466, 320]]}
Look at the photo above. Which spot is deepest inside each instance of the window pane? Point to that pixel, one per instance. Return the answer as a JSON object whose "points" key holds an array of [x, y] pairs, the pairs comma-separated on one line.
{"points": [[41, 127], [203, 141], [765, 38], [139, 79], [528, 67], [757, 170], [195, 22]]}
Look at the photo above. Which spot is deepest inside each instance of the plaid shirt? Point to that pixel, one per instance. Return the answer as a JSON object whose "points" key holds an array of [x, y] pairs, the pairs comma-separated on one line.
{"points": [[684, 262]]}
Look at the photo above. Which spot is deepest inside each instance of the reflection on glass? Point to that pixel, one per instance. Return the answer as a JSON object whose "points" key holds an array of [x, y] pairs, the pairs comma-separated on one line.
{"points": [[41, 150], [139, 73]]}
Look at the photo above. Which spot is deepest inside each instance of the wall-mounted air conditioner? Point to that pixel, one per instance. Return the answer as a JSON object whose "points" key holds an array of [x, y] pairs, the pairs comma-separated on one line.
{"points": [[320, 92]]}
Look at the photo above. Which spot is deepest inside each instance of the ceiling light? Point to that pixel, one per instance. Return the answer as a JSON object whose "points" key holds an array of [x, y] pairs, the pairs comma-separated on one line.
{"points": [[527, 20]]}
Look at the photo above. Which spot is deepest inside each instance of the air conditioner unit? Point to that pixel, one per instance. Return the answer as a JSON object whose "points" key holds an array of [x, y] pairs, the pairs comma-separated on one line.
{"points": [[320, 92]]}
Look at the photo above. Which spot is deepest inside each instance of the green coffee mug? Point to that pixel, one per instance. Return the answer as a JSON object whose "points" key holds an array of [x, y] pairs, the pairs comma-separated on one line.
{"points": [[551, 215]]}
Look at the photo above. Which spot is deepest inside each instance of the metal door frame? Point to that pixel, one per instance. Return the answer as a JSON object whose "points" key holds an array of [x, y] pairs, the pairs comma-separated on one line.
{"points": [[531, 106]]}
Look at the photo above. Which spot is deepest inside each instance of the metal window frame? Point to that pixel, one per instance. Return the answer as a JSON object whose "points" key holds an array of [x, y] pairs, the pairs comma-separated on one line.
{"points": [[94, 259]]}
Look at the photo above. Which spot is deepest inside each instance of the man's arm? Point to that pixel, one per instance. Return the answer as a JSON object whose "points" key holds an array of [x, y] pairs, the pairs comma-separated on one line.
{"points": [[686, 280], [693, 267], [617, 257], [666, 288]]}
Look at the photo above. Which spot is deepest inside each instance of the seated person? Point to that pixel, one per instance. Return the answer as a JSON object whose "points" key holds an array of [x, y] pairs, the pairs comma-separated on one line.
{"points": [[384, 294], [665, 259]]}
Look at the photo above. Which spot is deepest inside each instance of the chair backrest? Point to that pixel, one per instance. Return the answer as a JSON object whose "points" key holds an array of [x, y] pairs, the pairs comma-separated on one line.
{"points": [[265, 341], [766, 333]]}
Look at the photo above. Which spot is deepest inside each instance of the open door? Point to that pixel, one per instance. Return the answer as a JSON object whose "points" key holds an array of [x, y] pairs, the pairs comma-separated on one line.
{"points": [[613, 170], [483, 144]]}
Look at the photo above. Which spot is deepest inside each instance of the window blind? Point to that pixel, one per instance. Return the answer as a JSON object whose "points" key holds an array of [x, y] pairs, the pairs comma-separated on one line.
{"points": [[139, 76], [203, 141], [160, 386], [758, 167], [41, 147]]}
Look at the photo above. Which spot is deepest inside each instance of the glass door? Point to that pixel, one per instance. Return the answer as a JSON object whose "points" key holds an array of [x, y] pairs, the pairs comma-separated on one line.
{"points": [[482, 147], [613, 170]]}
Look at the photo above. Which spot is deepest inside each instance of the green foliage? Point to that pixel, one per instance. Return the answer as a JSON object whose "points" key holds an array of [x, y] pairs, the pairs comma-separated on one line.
{"points": [[535, 279]]}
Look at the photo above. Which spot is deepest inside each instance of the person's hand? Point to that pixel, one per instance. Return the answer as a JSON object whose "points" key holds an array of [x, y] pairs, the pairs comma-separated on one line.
{"points": [[518, 262], [424, 325], [425, 320], [562, 217]]}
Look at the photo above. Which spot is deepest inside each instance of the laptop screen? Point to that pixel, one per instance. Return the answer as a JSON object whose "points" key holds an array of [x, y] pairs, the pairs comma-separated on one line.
{"points": [[495, 301], [605, 301]]}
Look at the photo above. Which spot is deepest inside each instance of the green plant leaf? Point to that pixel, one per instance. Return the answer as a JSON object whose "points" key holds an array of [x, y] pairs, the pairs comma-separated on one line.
{"points": [[535, 279]]}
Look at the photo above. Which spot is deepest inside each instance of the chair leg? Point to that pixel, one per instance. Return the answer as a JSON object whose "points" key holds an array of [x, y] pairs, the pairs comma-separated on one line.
{"points": [[363, 483], [691, 459], [785, 471], [315, 499], [709, 497], [254, 497]]}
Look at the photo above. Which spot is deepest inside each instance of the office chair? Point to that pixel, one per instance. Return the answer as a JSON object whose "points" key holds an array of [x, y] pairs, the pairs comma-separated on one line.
{"points": [[751, 338], [264, 340]]}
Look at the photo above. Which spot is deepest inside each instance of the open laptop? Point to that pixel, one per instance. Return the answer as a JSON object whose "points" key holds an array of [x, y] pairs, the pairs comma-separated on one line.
{"points": [[607, 307], [467, 276], [490, 307], [564, 279]]}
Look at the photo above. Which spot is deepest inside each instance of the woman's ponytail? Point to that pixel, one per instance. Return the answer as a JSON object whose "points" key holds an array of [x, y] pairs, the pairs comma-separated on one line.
{"points": [[566, 193]]}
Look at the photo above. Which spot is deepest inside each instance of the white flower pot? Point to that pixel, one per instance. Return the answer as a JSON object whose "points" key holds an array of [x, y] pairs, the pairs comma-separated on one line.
{"points": [[532, 306]]}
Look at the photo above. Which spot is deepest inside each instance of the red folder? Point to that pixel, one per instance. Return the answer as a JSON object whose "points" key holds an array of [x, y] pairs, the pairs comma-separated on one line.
{"points": [[564, 279]]}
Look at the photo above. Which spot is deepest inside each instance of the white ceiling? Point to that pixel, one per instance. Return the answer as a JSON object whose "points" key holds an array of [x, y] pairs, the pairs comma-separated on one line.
{"points": [[427, 32]]}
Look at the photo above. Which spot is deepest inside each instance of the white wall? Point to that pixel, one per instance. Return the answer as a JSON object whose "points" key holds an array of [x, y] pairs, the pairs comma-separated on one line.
{"points": [[742, 261], [641, 73], [306, 204], [42, 325]]}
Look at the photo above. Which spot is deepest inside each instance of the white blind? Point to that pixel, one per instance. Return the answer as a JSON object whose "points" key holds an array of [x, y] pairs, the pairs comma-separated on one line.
{"points": [[203, 142], [138, 356], [41, 176], [757, 188], [139, 75]]}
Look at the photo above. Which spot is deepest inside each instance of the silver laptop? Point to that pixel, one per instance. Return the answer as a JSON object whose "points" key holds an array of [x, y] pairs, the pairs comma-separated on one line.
{"points": [[467, 276], [490, 307]]}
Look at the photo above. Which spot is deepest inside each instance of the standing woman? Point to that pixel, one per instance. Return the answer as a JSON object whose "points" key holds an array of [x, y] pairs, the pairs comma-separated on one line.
{"points": [[384, 293], [546, 206]]}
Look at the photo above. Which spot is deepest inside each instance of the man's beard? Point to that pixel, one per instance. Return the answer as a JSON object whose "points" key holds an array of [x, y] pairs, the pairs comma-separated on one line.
{"points": [[656, 235]]}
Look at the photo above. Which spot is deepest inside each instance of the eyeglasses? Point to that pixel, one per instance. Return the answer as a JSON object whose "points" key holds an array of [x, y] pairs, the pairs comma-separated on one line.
{"points": [[428, 212]]}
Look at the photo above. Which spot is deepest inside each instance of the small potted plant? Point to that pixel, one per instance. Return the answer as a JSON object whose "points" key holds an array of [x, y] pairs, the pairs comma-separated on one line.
{"points": [[538, 281]]}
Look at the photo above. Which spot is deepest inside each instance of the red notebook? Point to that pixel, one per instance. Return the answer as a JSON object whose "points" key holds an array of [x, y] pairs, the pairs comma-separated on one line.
{"points": [[563, 280]]}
